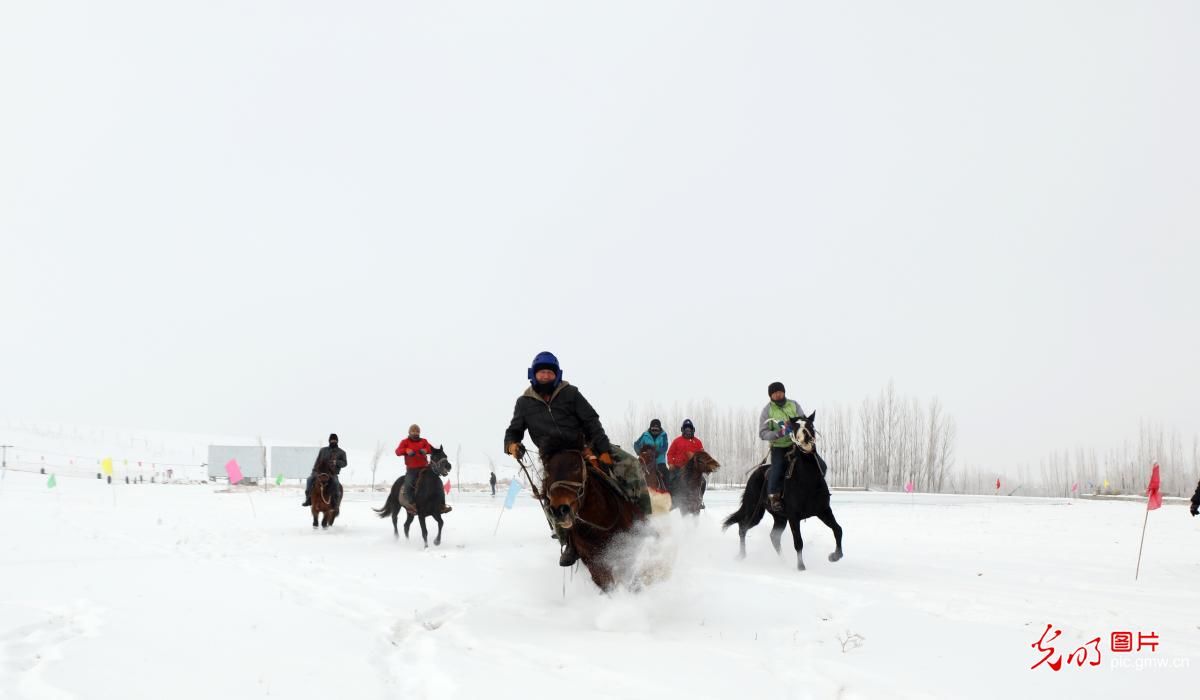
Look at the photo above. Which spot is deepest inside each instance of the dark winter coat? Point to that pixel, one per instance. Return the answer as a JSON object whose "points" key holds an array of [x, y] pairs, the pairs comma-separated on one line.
{"points": [[566, 415], [334, 457], [1196, 497]]}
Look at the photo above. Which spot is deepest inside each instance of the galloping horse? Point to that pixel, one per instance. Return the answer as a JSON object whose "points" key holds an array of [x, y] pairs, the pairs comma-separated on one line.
{"points": [[430, 498], [687, 489], [324, 497], [586, 502], [805, 494]]}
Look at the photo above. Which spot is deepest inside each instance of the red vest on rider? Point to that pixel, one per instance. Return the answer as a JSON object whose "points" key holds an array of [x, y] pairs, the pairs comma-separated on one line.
{"points": [[416, 460]]}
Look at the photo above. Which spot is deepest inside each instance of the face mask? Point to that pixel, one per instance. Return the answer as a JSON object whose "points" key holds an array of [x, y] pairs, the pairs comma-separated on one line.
{"points": [[780, 402]]}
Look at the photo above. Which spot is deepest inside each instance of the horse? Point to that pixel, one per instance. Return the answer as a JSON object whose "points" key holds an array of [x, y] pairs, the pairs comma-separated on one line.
{"points": [[688, 487], [586, 502], [429, 496], [660, 492], [324, 497], [805, 494]]}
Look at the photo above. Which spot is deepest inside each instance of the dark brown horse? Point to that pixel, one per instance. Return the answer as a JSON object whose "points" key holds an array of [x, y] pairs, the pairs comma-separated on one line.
{"points": [[583, 500], [660, 491], [323, 499], [429, 495], [689, 485]]}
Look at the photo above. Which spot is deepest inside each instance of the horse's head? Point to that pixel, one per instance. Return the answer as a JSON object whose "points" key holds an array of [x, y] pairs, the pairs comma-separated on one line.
{"points": [[564, 479], [648, 455], [703, 463], [438, 462], [802, 432]]}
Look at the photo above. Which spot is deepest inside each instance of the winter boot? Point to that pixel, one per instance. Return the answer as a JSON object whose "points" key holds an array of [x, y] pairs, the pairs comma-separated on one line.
{"points": [[569, 556], [774, 503]]}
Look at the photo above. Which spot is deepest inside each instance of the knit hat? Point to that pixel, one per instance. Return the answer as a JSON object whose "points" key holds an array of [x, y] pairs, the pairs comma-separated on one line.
{"points": [[333, 437], [687, 423], [545, 360], [775, 386], [656, 423]]}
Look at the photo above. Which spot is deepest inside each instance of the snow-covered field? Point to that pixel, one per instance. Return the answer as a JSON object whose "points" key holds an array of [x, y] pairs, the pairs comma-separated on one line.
{"points": [[195, 591]]}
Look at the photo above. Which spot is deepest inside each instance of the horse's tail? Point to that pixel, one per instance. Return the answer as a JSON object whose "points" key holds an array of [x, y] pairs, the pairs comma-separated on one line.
{"points": [[392, 504], [752, 507]]}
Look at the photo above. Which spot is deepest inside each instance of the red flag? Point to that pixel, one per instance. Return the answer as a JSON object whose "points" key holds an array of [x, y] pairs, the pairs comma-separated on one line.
{"points": [[446, 487], [1155, 496], [997, 483]]}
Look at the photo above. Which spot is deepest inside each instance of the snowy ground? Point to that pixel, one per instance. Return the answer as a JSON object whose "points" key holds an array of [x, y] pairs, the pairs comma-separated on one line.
{"points": [[193, 591]]}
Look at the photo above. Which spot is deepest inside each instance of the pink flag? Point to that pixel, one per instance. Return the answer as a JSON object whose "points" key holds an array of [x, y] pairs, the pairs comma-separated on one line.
{"points": [[446, 487], [1074, 487], [234, 472], [1154, 501], [997, 483], [908, 487]]}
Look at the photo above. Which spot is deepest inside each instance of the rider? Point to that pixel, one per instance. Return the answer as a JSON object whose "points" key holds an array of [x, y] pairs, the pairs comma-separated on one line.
{"points": [[682, 448], [552, 408], [656, 438], [333, 457], [415, 450], [773, 428]]}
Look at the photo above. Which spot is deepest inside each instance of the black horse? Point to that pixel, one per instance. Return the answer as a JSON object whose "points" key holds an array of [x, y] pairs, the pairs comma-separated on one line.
{"points": [[805, 494], [429, 496]]}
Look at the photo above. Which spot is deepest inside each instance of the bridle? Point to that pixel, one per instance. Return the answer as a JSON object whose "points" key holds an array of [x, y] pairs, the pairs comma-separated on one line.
{"points": [[806, 446], [579, 489]]}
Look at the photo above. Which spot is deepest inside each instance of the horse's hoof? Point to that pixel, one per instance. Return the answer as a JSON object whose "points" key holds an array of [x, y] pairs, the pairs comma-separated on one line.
{"points": [[801, 567], [835, 556], [741, 556]]}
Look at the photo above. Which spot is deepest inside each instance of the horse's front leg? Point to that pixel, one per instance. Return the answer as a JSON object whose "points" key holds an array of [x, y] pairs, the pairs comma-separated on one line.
{"points": [[437, 541], [827, 518], [795, 525], [314, 514], [424, 532]]}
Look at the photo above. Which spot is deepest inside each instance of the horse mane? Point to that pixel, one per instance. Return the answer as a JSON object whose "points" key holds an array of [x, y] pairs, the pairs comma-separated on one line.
{"points": [[705, 466]]}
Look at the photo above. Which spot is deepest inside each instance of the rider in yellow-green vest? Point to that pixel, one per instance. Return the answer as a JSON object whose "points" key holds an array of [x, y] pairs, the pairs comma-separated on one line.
{"points": [[773, 428]]}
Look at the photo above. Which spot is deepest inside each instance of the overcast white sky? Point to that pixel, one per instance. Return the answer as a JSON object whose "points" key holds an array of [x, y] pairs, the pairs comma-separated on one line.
{"points": [[292, 217]]}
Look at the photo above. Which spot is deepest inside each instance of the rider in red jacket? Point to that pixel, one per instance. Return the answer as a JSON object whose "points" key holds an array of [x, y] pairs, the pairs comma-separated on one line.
{"points": [[415, 450], [683, 447]]}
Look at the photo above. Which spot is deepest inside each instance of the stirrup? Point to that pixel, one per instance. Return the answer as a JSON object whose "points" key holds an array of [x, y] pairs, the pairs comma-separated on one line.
{"points": [[447, 509]]}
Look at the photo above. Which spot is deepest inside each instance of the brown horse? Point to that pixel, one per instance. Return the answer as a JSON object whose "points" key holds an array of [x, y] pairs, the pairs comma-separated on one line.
{"points": [[585, 502], [660, 492], [323, 500], [688, 487]]}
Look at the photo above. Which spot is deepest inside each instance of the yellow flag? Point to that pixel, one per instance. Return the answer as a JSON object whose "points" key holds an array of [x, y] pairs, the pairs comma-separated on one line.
{"points": [[1106, 483], [106, 466]]}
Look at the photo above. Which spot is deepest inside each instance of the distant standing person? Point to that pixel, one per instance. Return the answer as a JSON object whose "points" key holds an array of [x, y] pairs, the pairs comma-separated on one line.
{"points": [[1195, 509], [492, 481], [656, 438]]}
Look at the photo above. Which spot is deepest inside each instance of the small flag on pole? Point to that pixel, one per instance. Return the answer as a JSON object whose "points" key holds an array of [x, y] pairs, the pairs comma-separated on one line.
{"points": [[234, 471], [51, 482], [106, 466], [279, 479], [997, 483], [514, 487], [908, 487], [1074, 487], [446, 487], [1154, 496]]}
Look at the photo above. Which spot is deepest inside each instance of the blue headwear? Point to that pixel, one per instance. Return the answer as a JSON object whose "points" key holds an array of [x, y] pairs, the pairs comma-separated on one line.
{"points": [[545, 360]]}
